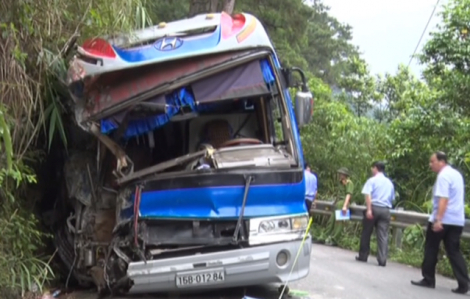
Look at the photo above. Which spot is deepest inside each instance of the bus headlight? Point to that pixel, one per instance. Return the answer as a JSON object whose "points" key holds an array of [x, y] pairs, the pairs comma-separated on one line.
{"points": [[279, 225], [277, 229], [274, 225], [300, 223]]}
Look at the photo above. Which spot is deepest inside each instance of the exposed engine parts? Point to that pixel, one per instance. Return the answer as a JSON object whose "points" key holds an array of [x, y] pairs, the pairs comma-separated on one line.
{"points": [[98, 240]]}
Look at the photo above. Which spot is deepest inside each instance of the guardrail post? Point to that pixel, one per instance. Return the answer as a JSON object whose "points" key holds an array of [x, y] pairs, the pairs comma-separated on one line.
{"points": [[397, 234]]}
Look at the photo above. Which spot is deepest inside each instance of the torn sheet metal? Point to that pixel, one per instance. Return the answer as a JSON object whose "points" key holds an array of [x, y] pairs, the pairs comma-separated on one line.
{"points": [[128, 84]]}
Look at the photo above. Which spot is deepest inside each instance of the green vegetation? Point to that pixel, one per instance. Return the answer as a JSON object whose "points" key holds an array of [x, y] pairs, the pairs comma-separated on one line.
{"points": [[33, 44], [350, 128], [414, 118]]}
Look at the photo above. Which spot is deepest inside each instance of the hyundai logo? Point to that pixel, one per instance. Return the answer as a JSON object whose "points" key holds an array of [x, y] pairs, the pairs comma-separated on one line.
{"points": [[168, 43]]}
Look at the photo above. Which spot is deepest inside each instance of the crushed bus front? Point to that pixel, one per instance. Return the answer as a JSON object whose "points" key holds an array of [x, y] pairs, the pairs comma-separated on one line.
{"points": [[192, 176]]}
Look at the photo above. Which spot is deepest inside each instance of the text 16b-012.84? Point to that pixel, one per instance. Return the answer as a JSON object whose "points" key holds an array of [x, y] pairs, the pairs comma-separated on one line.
{"points": [[200, 278]]}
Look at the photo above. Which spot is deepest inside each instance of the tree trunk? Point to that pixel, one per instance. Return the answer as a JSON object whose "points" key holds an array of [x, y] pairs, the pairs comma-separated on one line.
{"points": [[205, 6], [229, 5]]}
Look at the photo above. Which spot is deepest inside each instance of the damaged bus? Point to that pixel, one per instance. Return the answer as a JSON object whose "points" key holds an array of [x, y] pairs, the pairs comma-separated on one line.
{"points": [[192, 175]]}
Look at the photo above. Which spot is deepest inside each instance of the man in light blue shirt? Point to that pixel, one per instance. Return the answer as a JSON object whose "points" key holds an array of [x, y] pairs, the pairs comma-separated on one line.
{"points": [[380, 194], [446, 224], [310, 187]]}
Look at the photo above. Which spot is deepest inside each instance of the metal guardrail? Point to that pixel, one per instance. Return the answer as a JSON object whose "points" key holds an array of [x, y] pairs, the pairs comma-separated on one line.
{"points": [[399, 218]]}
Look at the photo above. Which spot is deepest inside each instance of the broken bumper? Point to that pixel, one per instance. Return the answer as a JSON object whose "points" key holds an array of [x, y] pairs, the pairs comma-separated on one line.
{"points": [[234, 268]]}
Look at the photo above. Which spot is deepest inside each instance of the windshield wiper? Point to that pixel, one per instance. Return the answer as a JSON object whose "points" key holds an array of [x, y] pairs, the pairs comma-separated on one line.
{"points": [[241, 225]]}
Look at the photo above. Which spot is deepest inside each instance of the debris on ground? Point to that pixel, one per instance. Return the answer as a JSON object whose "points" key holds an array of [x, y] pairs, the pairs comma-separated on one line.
{"points": [[49, 294]]}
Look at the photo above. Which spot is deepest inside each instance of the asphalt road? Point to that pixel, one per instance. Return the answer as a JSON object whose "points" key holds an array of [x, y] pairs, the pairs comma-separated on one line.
{"points": [[334, 274]]}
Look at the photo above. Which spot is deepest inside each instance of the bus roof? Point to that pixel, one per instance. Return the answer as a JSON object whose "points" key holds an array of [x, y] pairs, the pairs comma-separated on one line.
{"points": [[198, 36]]}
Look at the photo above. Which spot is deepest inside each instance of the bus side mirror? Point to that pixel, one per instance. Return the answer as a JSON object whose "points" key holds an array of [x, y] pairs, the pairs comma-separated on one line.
{"points": [[303, 98], [303, 107]]}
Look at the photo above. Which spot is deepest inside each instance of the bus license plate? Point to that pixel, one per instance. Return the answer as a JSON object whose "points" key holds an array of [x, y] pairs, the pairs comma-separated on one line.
{"points": [[198, 279]]}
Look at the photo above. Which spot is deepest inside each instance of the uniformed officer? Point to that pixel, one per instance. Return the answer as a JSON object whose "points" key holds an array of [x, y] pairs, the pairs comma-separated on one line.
{"points": [[335, 228]]}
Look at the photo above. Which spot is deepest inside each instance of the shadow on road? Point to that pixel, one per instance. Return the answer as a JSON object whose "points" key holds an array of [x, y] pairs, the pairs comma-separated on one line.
{"points": [[259, 292]]}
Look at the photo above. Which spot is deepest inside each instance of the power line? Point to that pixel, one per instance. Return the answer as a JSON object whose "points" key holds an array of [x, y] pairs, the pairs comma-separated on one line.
{"points": [[424, 31]]}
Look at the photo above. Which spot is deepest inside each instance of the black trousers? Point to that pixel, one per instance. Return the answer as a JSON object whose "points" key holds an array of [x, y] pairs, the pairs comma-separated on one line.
{"points": [[308, 203], [381, 222], [451, 236]]}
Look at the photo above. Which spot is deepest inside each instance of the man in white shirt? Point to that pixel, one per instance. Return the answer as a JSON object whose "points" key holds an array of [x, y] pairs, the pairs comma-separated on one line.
{"points": [[446, 224], [380, 194], [310, 187]]}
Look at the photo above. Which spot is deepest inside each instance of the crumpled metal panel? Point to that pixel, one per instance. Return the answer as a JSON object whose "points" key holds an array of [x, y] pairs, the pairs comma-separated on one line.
{"points": [[77, 177], [118, 87]]}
